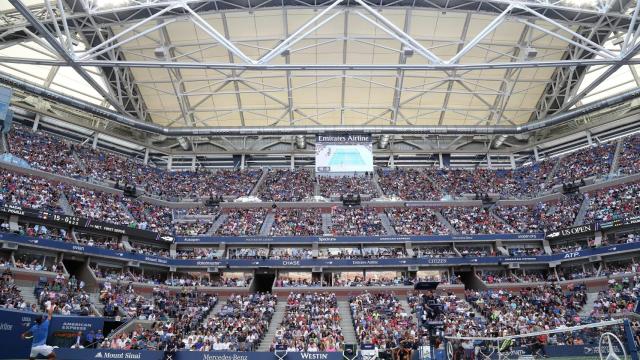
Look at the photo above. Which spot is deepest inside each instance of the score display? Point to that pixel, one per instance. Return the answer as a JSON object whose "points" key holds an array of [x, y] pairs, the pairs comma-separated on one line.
{"points": [[344, 153]]}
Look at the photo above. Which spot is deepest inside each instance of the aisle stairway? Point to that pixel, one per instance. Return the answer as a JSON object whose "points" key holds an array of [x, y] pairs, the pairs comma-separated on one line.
{"points": [[254, 191], [616, 157], [276, 320], [583, 211], [346, 322], [326, 223], [265, 229], [27, 294], [63, 202], [407, 309], [445, 222], [217, 223], [386, 224]]}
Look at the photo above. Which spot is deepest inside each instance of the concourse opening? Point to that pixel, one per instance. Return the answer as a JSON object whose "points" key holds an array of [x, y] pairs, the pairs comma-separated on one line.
{"points": [[263, 280]]}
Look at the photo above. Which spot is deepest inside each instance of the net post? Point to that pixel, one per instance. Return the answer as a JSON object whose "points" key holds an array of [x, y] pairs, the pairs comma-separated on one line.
{"points": [[631, 342]]}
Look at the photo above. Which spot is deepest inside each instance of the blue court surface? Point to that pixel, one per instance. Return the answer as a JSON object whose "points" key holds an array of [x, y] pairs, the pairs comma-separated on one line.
{"points": [[346, 157]]}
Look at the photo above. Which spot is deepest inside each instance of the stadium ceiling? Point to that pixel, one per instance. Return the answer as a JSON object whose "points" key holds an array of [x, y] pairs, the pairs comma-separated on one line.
{"points": [[348, 64]]}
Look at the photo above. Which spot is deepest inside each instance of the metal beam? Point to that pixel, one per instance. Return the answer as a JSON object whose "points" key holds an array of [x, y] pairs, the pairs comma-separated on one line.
{"points": [[320, 67], [68, 58], [600, 79], [144, 9], [121, 119]]}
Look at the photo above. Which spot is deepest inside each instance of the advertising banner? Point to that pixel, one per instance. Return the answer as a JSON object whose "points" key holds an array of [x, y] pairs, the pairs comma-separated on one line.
{"points": [[309, 263], [90, 354]]}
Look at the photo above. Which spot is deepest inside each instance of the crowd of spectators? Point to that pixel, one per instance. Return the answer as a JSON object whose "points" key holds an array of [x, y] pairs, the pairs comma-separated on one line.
{"points": [[379, 319], [542, 307], [289, 281], [29, 191], [614, 203], [192, 228], [409, 184], [579, 165], [311, 323], [289, 253], [287, 185], [199, 253], [416, 221], [10, 296], [525, 250], [248, 253], [342, 185], [98, 205], [43, 151], [356, 221], [70, 297], [629, 157], [620, 297], [242, 222], [149, 217], [241, 323], [475, 220], [434, 252], [378, 281], [296, 222], [544, 216]]}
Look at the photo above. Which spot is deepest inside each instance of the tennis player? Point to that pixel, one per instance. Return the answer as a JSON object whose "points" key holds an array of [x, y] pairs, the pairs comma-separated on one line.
{"points": [[38, 333]]}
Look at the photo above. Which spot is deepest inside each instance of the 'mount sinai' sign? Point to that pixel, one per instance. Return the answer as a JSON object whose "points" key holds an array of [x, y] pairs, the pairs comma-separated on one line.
{"points": [[344, 138]]}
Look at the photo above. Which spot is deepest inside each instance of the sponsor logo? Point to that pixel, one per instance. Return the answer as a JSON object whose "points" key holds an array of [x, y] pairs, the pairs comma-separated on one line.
{"points": [[296, 263], [208, 263], [156, 260], [327, 239], [167, 238], [117, 355], [527, 236], [368, 262], [511, 259], [77, 248], [6, 327], [395, 238], [313, 356], [571, 231], [224, 357], [437, 261], [572, 255]]}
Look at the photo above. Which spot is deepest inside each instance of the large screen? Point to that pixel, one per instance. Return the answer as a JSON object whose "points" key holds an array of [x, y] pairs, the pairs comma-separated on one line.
{"points": [[344, 153]]}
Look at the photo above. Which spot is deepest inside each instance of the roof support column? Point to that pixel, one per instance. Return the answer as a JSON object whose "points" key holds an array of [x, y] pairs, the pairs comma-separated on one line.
{"points": [[489, 161], [293, 161], [513, 161], [440, 161], [169, 162], [146, 156], [589, 139], [94, 145], [242, 162], [193, 163], [535, 154], [36, 122]]}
